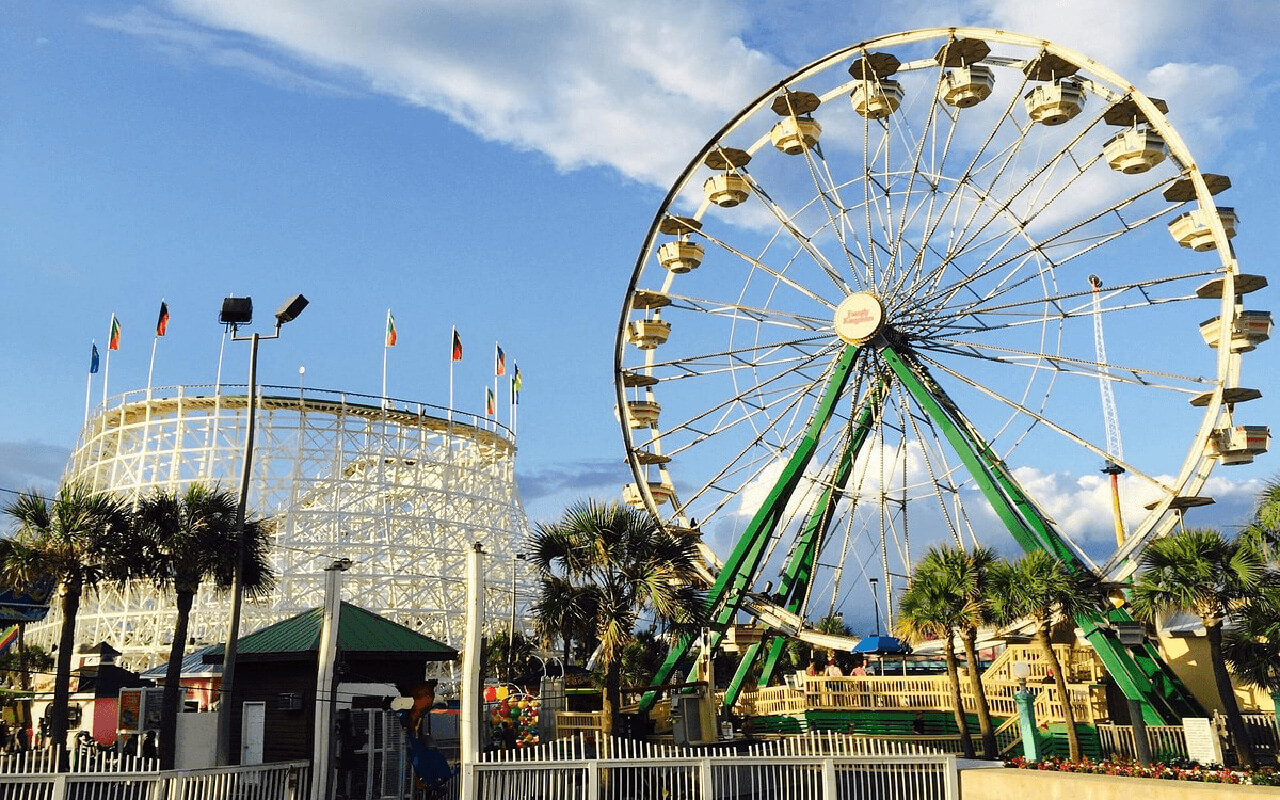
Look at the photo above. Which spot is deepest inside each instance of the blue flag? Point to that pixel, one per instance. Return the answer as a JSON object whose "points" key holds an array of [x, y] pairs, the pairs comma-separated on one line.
{"points": [[93, 359]]}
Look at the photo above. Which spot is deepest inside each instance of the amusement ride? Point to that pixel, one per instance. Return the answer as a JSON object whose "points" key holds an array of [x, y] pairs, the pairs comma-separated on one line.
{"points": [[868, 317]]}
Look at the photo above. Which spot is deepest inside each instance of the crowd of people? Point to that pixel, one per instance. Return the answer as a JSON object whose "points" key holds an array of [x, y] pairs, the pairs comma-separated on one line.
{"points": [[834, 665]]}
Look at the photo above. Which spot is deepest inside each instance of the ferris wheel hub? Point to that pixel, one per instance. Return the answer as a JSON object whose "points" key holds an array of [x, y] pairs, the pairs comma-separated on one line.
{"points": [[859, 318]]}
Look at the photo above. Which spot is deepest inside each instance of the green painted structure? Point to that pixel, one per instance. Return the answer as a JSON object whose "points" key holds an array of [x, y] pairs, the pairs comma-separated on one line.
{"points": [[1137, 669]]}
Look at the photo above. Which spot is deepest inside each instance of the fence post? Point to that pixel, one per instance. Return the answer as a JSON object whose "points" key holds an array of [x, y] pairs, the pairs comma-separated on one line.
{"points": [[706, 787], [829, 779], [59, 787], [951, 777]]}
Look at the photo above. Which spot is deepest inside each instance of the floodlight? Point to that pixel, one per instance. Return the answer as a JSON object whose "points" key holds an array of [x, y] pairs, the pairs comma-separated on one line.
{"points": [[236, 311], [291, 309]]}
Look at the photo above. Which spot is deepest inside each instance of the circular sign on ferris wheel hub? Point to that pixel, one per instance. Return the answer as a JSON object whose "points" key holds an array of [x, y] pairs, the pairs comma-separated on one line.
{"points": [[859, 318]]}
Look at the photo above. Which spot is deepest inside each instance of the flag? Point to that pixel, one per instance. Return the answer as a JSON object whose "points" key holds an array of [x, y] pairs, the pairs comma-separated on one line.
{"points": [[93, 359], [6, 641], [489, 404], [457, 346], [516, 384], [113, 342], [163, 323], [391, 329], [499, 360]]}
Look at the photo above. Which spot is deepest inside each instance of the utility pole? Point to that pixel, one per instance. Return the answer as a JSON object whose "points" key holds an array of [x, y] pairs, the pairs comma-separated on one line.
{"points": [[469, 716], [325, 683]]}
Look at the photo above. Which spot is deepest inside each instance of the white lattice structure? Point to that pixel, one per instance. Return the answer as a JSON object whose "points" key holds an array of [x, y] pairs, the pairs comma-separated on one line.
{"points": [[401, 489]]}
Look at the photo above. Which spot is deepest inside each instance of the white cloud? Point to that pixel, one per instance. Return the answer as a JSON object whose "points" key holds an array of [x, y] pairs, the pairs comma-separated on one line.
{"points": [[640, 87], [637, 88]]}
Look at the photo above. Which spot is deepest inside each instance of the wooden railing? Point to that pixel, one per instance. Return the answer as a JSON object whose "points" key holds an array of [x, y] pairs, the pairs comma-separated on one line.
{"points": [[570, 723], [1079, 663], [1166, 741], [918, 693], [1009, 736]]}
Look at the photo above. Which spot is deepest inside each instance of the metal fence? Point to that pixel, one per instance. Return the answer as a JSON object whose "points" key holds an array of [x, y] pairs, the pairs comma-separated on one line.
{"points": [[1167, 742], [814, 767], [282, 781]]}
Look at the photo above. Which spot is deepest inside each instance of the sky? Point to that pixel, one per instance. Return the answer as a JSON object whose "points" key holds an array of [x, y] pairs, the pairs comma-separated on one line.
{"points": [[492, 166]]}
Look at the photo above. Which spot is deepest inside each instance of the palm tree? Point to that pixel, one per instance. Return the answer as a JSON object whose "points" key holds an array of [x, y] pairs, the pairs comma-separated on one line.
{"points": [[75, 541], [183, 541], [1200, 572], [621, 562], [563, 609], [930, 610], [1039, 588], [1252, 649], [964, 575]]}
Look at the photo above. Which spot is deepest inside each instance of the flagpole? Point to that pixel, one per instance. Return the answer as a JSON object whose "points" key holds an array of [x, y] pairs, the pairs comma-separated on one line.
{"points": [[155, 341], [386, 345], [150, 368], [217, 383], [452, 338], [88, 382], [496, 350], [513, 402], [106, 369]]}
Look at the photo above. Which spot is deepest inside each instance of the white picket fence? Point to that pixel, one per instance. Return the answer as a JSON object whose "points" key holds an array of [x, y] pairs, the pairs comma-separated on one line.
{"points": [[819, 766], [81, 759], [280, 781]]}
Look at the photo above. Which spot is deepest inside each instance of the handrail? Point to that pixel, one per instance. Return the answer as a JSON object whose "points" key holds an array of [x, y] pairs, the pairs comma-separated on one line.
{"points": [[918, 693]]}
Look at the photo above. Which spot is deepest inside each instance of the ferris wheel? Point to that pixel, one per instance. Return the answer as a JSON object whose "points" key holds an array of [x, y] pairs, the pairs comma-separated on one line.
{"points": [[866, 317]]}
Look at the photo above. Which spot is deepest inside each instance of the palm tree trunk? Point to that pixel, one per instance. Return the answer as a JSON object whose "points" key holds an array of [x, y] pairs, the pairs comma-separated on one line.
{"points": [[172, 683], [1227, 693], [957, 702], [1060, 682], [612, 694], [979, 696], [24, 673], [62, 676]]}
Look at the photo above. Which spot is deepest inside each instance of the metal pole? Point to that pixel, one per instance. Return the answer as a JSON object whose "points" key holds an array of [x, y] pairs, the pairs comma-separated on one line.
{"points": [[320, 754], [237, 583], [511, 630], [876, 599], [469, 721]]}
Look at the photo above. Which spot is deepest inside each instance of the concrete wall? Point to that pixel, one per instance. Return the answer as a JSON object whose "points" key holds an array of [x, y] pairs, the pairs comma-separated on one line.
{"points": [[1188, 657], [990, 784], [197, 741]]}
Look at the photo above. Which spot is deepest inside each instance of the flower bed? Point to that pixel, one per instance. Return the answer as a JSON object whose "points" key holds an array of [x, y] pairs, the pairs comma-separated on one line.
{"points": [[1169, 772]]}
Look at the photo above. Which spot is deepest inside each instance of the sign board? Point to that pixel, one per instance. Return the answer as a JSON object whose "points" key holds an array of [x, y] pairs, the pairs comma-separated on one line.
{"points": [[28, 603], [139, 710], [1203, 744]]}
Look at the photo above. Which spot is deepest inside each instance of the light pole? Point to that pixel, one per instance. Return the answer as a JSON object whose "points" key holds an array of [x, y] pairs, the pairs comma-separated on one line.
{"points": [[237, 311], [875, 598], [511, 631]]}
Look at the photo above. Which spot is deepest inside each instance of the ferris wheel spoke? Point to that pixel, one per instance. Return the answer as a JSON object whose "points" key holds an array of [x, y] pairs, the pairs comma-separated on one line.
{"points": [[751, 409], [1032, 306], [1036, 418], [800, 238], [1084, 247], [778, 275], [766, 316], [1154, 380]]}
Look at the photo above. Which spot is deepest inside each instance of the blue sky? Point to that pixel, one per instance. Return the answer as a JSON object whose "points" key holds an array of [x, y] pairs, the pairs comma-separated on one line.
{"points": [[490, 165]]}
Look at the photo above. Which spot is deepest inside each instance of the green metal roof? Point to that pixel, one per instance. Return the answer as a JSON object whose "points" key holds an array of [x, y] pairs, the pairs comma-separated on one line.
{"points": [[359, 632]]}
